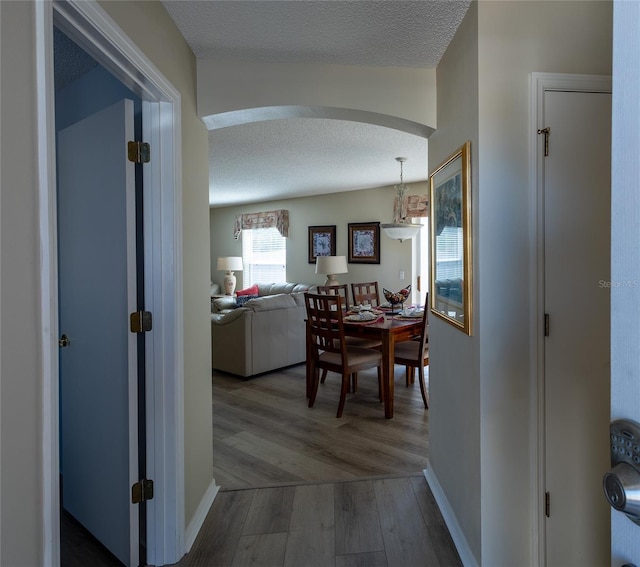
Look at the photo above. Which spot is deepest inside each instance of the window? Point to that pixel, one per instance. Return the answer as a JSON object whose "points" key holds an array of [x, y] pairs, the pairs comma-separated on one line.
{"points": [[264, 254]]}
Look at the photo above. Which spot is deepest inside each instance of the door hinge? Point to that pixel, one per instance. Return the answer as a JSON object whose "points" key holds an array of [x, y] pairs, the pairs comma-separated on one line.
{"points": [[139, 152], [142, 491], [140, 321], [546, 132], [547, 504], [546, 324]]}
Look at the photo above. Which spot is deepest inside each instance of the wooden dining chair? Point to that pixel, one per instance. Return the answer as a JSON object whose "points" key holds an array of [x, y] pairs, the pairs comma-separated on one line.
{"points": [[415, 354], [341, 289], [365, 293], [328, 349]]}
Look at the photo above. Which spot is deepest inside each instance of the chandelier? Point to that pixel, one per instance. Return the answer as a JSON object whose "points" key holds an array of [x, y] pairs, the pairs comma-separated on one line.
{"points": [[401, 229]]}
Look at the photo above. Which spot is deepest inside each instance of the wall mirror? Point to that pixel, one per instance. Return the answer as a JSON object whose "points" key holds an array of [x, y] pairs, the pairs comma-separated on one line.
{"points": [[450, 207]]}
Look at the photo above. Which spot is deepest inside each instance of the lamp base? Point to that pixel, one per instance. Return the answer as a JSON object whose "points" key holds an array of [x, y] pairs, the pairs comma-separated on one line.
{"points": [[331, 280], [229, 283]]}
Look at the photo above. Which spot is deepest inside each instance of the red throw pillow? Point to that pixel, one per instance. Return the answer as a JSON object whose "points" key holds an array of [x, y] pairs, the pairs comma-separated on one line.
{"points": [[253, 290]]}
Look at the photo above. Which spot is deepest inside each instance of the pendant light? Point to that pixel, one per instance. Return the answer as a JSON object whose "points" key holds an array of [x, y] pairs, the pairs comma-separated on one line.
{"points": [[401, 229]]}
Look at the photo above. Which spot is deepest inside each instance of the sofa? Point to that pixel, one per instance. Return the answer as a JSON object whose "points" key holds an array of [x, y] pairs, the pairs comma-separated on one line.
{"points": [[262, 333]]}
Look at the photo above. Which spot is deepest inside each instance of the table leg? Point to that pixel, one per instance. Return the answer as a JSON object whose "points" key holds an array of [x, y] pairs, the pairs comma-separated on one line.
{"points": [[387, 373]]}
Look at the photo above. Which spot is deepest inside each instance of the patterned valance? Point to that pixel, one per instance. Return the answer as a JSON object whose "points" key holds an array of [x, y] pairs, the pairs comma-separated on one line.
{"points": [[417, 206], [279, 219]]}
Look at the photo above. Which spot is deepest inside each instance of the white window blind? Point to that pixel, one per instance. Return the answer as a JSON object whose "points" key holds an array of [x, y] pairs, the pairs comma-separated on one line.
{"points": [[264, 255]]}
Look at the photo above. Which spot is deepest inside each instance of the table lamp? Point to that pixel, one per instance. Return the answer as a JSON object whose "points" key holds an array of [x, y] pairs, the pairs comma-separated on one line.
{"points": [[331, 265], [230, 264]]}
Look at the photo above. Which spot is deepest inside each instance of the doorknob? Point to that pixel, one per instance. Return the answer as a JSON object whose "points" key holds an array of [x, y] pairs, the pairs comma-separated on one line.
{"points": [[64, 341]]}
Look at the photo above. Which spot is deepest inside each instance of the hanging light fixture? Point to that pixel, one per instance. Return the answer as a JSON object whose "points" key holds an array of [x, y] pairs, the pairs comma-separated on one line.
{"points": [[401, 229]]}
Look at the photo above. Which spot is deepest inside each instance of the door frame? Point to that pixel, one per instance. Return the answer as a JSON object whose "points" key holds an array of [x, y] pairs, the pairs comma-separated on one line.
{"points": [[540, 83], [91, 27]]}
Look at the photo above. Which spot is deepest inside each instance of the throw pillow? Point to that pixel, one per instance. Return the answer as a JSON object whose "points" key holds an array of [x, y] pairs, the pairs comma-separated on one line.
{"points": [[253, 290], [242, 299]]}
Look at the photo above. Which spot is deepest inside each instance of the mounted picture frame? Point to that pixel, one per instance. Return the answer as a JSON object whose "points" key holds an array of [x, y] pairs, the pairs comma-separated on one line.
{"points": [[451, 242], [364, 243], [322, 242]]}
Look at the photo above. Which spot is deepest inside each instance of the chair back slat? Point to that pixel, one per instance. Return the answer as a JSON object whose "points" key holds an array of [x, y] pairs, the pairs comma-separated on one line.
{"points": [[325, 325], [365, 293], [342, 290]]}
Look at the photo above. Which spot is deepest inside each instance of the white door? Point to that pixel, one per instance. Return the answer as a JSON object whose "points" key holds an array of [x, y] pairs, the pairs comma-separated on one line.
{"points": [[576, 298], [98, 380]]}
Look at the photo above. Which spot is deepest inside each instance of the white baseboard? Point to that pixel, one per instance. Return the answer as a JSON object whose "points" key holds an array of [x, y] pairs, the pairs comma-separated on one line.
{"points": [[462, 546], [193, 529]]}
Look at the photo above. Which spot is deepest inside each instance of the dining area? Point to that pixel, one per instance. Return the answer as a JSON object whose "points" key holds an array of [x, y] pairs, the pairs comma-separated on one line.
{"points": [[349, 330]]}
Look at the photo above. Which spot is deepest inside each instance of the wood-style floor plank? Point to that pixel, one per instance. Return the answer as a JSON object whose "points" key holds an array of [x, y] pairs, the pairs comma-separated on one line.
{"points": [[406, 537], [270, 511], [374, 559], [265, 550], [357, 523]]}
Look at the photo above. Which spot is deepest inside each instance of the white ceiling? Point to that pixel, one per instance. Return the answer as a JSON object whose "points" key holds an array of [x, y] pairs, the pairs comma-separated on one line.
{"points": [[279, 159]]}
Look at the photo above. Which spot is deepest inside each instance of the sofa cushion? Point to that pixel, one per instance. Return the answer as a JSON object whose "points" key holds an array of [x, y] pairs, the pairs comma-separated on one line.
{"points": [[269, 302], [253, 290], [224, 303]]}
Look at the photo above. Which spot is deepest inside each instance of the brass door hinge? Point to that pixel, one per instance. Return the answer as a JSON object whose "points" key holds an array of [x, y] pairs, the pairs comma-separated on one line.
{"points": [[546, 131], [140, 321], [139, 152], [142, 491], [547, 504]]}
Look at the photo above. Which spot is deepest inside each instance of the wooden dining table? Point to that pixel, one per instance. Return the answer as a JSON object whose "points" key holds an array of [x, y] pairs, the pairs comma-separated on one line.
{"points": [[393, 329]]}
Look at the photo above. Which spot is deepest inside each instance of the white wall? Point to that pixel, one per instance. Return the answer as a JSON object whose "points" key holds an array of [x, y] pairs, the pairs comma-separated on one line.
{"points": [[492, 388], [338, 209], [625, 252]]}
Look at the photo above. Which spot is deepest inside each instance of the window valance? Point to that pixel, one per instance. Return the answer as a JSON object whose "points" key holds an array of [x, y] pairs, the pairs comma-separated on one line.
{"points": [[417, 206], [279, 219]]}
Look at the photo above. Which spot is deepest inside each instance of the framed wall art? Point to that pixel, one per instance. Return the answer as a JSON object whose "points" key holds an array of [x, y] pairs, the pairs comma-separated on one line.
{"points": [[450, 207], [322, 242], [364, 243]]}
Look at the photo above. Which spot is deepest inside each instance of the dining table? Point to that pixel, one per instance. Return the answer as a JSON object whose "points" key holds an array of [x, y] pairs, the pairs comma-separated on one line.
{"points": [[390, 328]]}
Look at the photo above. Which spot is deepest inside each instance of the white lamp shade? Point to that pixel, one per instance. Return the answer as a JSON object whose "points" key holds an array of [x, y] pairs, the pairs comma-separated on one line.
{"points": [[230, 263], [331, 265], [401, 230]]}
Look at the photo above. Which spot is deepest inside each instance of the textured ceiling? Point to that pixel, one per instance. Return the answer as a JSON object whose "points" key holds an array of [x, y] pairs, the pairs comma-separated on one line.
{"points": [[279, 159]]}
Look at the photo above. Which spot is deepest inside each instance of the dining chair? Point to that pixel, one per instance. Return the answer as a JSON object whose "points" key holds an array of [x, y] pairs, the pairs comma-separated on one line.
{"points": [[341, 289], [328, 349], [415, 354], [366, 292]]}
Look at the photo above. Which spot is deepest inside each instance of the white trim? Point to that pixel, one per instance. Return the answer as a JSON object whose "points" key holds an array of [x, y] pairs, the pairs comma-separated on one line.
{"points": [[540, 83], [200, 515], [88, 24], [457, 535], [48, 236]]}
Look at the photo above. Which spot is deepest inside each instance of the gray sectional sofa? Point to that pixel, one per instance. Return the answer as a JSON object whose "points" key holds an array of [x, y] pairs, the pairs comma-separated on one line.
{"points": [[265, 333]]}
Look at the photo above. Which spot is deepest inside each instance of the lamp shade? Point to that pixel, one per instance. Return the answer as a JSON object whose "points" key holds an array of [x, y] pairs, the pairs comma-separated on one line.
{"points": [[331, 265], [230, 263], [401, 230]]}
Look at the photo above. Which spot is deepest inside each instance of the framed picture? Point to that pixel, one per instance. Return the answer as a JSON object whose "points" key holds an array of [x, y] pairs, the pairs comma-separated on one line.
{"points": [[364, 243], [450, 207], [322, 242]]}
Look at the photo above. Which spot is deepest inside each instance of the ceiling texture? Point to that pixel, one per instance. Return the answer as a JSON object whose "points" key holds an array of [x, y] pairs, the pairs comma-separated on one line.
{"points": [[293, 157]]}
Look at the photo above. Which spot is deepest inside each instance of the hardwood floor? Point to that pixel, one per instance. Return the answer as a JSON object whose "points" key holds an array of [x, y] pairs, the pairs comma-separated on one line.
{"points": [[391, 522], [301, 488], [264, 434]]}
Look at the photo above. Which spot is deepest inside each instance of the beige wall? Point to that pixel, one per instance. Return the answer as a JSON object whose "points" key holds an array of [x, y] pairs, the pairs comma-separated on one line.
{"points": [[155, 33], [454, 414], [21, 529], [20, 360], [514, 39], [336, 209]]}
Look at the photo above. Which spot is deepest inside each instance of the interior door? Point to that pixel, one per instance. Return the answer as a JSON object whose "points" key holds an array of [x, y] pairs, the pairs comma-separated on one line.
{"points": [[98, 374], [576, 297]]}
